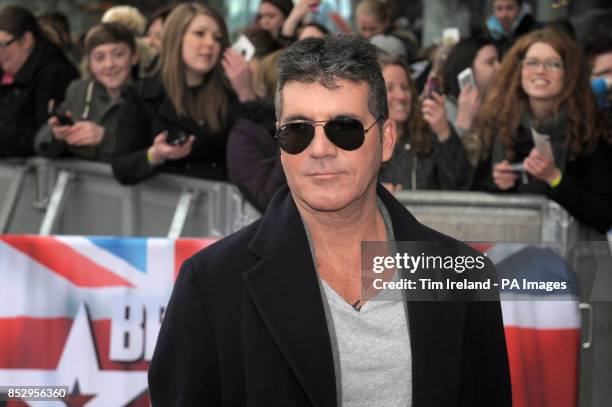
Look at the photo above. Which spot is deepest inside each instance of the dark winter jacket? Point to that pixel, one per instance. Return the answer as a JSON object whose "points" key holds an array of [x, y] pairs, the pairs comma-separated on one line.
{"points": [[446, 167], [253, 163], [87, 100], [147, 112], [24, 104]]}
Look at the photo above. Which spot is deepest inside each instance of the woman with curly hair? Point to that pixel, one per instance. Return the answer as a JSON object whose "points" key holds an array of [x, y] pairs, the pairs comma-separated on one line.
{"points": [[543, 87], [428, 153]]}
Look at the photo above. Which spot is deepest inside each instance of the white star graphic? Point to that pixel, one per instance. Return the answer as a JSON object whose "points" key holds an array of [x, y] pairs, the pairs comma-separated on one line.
{"points": [[79, 362]]}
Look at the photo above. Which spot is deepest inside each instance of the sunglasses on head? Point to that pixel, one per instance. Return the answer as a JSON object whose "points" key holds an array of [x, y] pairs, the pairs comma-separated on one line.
{"points": [[346, 133]]}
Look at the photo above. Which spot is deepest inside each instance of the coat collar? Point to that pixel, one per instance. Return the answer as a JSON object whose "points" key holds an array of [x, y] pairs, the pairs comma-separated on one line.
{"points": [[285, 290]]}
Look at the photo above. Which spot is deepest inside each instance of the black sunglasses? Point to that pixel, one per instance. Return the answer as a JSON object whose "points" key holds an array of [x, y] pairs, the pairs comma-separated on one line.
{"points": [[345, 132]]}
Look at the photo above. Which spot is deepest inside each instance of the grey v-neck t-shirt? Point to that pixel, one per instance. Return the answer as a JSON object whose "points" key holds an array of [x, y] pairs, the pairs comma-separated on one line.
{"points": [[370, 346]]}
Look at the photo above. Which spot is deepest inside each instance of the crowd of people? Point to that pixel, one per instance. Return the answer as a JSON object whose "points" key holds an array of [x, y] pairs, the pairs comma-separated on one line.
{"points": [[170, 94]]}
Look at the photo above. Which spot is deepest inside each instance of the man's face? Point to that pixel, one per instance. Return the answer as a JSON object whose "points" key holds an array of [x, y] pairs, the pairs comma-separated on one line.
{"points": [[324, 177], [602, 66], [506, 12]]}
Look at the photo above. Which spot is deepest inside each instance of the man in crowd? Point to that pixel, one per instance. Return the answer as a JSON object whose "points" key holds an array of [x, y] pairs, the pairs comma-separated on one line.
{"points": [[275, 315]]}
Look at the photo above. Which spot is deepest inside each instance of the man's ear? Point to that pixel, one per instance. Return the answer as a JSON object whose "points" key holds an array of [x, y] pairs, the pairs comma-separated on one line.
{"points": [[389, 138]]}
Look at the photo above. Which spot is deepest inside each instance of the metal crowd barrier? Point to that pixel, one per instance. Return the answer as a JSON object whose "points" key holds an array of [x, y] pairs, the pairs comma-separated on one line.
{"points": [[81, 197], [479, 216], [39, 196]]}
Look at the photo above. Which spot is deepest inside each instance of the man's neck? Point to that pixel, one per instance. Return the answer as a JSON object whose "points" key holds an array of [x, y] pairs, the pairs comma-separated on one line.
{"points": [[336, 238], [358, 221]]}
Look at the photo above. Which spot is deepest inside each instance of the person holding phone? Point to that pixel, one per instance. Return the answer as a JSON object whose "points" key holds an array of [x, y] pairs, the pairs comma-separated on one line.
{"points": [[177, 120], [84, 125], [543, 84], [479, 55], [33, 71], [428, 153]]}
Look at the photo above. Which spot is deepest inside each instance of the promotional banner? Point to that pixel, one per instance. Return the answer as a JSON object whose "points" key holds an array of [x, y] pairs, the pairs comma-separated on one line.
{"points": [[84, 313], [79, 318]]}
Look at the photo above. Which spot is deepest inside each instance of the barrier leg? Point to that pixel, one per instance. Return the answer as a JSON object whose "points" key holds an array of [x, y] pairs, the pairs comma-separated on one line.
{"points": [[11, 198], [180, 214], [56, 203]]}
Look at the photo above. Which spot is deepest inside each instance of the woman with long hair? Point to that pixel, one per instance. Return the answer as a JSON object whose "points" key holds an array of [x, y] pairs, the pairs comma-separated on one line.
{"points": [[179, 118], [542, 92], [428, 153]]}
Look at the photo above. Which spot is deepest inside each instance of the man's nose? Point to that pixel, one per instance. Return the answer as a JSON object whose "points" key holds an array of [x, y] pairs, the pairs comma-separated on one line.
{"points": [[321, 146]]}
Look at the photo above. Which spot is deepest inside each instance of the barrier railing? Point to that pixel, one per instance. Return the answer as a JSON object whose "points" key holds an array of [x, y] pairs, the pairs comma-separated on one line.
{"points": [[479, 216], [79, 197], [39, 196]]}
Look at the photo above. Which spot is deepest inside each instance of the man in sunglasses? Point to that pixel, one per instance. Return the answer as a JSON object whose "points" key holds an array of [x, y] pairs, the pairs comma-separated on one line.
{"points": [[274, 315]]}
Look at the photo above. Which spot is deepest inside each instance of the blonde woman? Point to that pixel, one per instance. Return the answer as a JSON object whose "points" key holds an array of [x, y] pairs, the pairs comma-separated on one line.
{"points": [[178, 119]]}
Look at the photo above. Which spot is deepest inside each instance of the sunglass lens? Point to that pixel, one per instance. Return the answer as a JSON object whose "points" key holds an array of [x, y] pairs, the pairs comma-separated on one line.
{"points": [[348, 134], [293, 138]]}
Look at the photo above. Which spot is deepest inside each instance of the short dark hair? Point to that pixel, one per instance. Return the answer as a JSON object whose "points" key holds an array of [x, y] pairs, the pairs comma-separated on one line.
{"points": [[161, 13], [335, 57], [597, 46], [18, 20], [262, 40], [109, 33]]}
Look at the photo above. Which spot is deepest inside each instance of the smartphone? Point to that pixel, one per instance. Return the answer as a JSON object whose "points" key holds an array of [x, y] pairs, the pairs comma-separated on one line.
{"points": [[176, 137], [434, 84], [64, 119], [466, 77], [244, 47]]}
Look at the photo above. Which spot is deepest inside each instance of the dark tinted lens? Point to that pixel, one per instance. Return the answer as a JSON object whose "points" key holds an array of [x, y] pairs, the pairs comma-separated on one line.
{"points": [[295, 137], [348, 134]]}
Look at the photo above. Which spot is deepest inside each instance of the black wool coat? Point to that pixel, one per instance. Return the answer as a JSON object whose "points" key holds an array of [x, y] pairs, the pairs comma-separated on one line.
{"points": [[24, 104], [246, 326]]}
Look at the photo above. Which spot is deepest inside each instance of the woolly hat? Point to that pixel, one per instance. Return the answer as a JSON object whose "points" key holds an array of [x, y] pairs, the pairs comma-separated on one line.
{"points": [[285, 6]]}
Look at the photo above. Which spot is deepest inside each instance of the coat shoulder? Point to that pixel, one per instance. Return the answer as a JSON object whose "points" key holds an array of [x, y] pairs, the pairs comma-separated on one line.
{"points": [[229, 257]]}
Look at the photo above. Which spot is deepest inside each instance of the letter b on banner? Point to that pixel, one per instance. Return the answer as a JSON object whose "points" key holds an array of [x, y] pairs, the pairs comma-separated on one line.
{"points": [[127, 331]]}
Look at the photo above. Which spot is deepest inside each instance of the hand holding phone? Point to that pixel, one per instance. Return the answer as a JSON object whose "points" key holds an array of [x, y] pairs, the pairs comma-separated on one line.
{"points": [[176, 137], [466, 77], [64, 119], [434, 84], [60, 124], [244, 47]]}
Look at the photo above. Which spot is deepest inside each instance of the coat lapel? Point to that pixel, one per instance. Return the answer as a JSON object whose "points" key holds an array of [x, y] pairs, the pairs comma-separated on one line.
{"points": [[285, 290], [435, 327]]}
